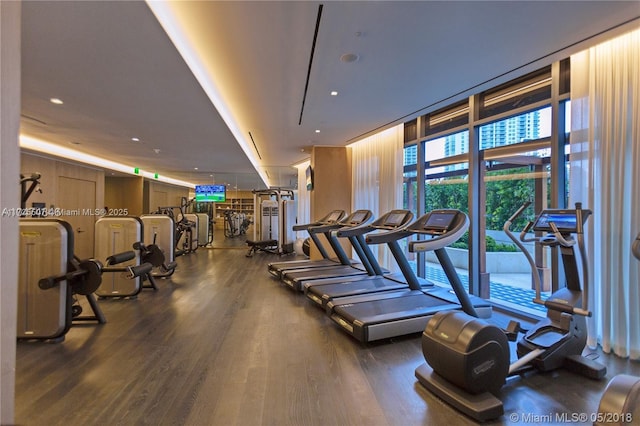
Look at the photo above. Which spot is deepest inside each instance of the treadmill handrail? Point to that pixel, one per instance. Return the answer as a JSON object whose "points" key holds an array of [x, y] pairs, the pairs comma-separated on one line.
{"points": [[389, 233], [324, 228], [323, 220], [364, 217], [333, 240], [388, 236], [361, 229]]}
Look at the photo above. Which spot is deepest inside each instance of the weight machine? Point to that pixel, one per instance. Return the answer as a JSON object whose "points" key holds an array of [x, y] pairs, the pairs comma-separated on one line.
{"points": [[274, 217], [158, 246], [235, 224], [186, 234], [28, 185], [114, 234], [51, 278]]}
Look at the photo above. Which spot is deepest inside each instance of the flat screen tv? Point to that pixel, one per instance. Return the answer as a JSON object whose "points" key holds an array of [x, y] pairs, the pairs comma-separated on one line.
{"points": [[308, 174], [211, 193]]}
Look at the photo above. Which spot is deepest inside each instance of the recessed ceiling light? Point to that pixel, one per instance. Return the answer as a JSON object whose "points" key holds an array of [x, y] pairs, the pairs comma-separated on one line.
{"points": [[56, 101], [210, 175], [317, 130], [195, 168], [334, 93], [156, 150], [135, 139], [349, 57]]}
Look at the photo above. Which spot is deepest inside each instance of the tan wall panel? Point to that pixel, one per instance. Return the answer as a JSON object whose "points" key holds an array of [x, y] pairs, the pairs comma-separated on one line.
{"points": [[50, 169], [331, 185], [164, 195], [124, 193], [60, 185]]}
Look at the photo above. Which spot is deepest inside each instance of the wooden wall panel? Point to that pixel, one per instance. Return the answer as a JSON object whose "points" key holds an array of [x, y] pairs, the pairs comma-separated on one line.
{"points": [[50, 169], [331, 184], [124, 193], [163, 195]]}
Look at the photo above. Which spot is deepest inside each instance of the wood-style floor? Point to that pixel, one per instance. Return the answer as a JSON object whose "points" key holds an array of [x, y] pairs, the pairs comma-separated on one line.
{"points": [[222, 343]]}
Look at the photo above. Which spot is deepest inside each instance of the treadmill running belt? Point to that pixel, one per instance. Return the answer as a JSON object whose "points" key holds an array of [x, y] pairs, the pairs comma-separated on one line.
{"points": [[354, 288], [413, 304]]}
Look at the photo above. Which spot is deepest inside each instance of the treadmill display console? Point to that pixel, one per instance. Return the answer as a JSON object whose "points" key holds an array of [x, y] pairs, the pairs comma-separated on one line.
{"points": [[565, 221], [439, 222], [358, 218], [333, 217], [394, 220]]}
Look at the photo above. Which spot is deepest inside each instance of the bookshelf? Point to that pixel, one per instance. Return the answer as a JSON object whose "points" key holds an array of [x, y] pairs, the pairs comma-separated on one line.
{"points": [[240, 202]]}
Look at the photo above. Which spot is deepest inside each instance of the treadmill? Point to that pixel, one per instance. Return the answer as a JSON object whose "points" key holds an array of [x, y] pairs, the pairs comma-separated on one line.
{"points": [[294, 278], [276, 268], [323, 291], [378, 316]]}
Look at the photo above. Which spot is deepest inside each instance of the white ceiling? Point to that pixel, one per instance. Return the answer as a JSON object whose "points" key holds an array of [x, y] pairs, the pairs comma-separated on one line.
{"points": [[120, 76]]}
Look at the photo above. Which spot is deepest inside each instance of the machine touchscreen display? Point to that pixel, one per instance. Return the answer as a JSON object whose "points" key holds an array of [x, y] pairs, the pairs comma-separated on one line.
{"points": [[334, 216], [358, 217], [439, 221], [394, 219], [564, 221]]}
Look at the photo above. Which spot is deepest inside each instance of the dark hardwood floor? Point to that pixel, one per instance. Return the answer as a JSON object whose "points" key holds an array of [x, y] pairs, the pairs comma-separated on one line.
{"points": [[222, 343]]}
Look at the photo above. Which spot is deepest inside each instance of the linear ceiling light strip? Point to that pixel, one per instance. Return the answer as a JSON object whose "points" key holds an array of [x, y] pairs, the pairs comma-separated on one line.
{"points": [[313, 49], [50, 149]]}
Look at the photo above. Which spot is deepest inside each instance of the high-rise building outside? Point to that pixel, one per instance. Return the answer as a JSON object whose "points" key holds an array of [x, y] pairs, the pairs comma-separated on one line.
{"points": [[505, 132]]}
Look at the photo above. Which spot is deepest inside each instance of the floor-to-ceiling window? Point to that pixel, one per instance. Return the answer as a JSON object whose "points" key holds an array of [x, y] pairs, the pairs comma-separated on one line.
{"points": [[516, 157], [446, 186], [515, 135]]}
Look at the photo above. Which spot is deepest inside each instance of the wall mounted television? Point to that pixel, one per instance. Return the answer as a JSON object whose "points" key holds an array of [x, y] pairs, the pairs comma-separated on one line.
{"points": [[309, 178], [211, 193]]}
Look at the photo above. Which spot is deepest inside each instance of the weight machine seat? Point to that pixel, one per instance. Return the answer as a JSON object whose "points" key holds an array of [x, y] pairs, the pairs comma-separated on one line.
{"points": [[262, 243], [269, 246]]}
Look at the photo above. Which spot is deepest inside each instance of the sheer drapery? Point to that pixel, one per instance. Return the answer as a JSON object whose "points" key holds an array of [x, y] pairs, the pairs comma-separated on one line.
{"points": [[605, 177], [377, 177]]}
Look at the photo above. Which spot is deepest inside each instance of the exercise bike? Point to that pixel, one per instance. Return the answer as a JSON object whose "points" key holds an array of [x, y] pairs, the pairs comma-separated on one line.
{"points": [[468, 359]]}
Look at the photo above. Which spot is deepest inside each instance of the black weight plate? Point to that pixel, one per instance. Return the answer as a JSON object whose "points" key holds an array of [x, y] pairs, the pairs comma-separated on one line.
{"points": [[89, 282]]}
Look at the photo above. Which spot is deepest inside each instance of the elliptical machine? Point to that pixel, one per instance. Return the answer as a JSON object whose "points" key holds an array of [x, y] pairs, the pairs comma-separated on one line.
{"points": [[468, 359]]}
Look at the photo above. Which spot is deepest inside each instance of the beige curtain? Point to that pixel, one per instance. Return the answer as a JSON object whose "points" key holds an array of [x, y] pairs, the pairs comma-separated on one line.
{"points": [[377, 177], [605, 177]]}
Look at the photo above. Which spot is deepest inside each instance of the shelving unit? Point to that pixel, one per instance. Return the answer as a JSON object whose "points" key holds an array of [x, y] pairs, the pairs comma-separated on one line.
{"points": [[241, 202], [240, 205]]}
